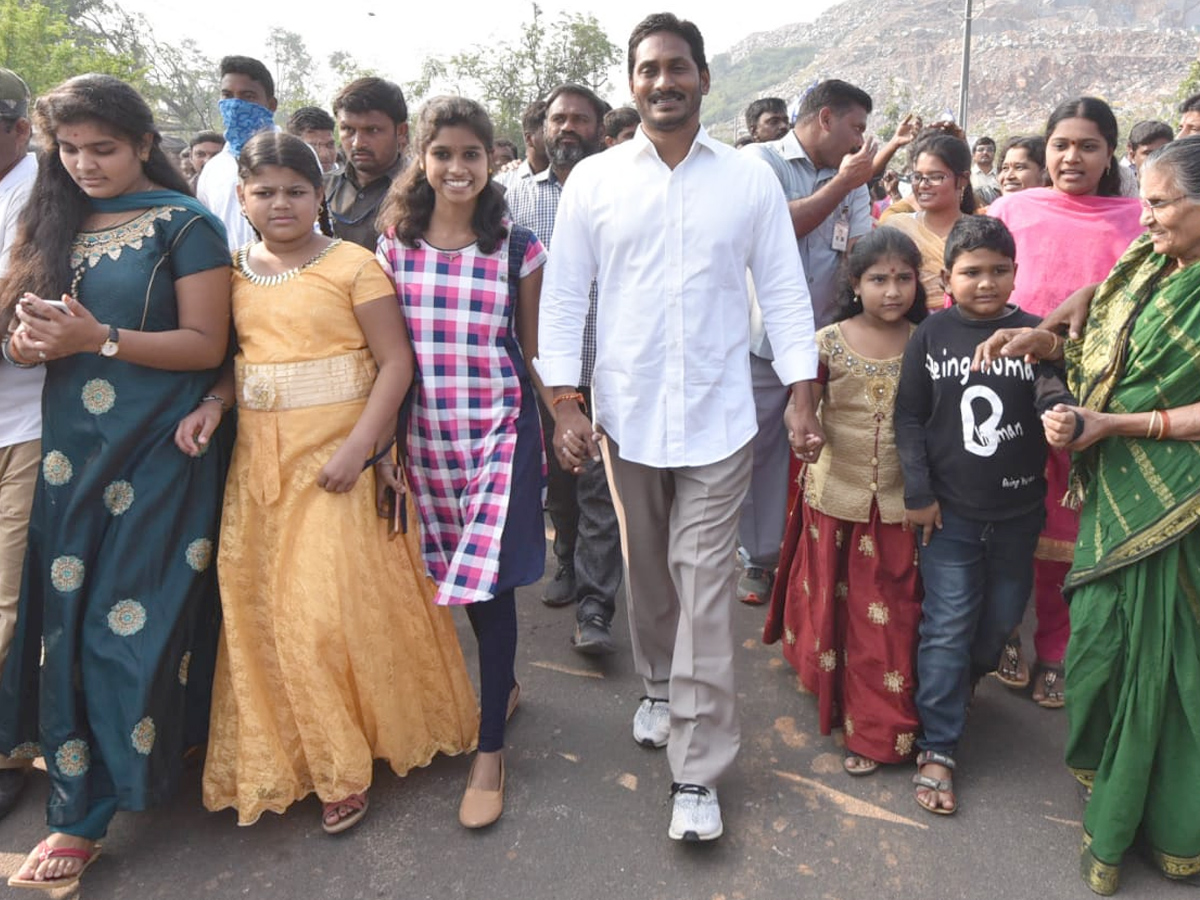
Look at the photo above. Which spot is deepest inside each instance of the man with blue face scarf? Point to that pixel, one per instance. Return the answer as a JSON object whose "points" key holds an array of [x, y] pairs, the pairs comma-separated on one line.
{"points": [[247, 107]]}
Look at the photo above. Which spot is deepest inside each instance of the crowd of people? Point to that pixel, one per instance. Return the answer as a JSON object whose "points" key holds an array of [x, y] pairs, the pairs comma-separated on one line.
{"points": [[271, 410]]}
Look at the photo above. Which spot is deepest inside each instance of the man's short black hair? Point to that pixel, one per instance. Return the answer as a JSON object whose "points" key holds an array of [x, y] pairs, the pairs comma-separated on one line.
{"points": [[979, 233], [534, 117], [507, 144], [1150, 132], [617, 120], [309, 118], [657, 22], [840, 96], [1191, 104], [762, 105], [599, 107], [207, 137], [252, 69], [372, 94], [984, 141]]}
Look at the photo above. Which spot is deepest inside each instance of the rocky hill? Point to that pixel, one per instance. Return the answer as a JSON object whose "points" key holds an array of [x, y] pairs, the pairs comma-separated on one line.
{"points": [[1026, 56]]}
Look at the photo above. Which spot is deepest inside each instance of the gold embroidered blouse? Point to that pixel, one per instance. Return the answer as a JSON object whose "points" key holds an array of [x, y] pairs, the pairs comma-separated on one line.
{"points": [[859, 465]]}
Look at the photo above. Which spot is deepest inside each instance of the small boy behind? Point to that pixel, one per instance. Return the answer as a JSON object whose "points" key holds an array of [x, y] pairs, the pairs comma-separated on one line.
{"points": [[973, 454]]}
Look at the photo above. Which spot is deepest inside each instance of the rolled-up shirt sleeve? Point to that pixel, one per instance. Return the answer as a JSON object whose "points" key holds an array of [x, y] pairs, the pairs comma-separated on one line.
{"points": [[563, 309], [780, 285]]}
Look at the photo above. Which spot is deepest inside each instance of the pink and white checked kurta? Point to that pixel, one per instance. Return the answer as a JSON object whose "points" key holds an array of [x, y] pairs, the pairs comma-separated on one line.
{"points": [[463, 437]]}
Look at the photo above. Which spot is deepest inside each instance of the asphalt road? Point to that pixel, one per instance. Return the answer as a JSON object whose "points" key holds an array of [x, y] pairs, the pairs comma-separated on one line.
{"points": [[587, 810]]}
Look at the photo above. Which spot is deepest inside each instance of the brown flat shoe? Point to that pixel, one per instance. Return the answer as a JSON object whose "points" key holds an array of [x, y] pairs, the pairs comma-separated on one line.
{"points": [[514, 699], [481, 808]]}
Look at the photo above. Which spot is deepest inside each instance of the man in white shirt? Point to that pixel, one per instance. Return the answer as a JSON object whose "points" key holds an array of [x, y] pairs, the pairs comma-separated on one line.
{"points": [[667, 224], [533, 121], [21, 388], [984, 182], [247, 105]]}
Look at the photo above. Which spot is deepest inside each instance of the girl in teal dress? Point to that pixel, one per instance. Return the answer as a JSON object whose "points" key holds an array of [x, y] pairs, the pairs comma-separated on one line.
{"points": [[118, 585]]}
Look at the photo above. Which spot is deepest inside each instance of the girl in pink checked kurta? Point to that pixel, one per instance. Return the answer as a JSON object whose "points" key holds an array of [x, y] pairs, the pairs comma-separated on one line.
{"points": [[468, 282]]}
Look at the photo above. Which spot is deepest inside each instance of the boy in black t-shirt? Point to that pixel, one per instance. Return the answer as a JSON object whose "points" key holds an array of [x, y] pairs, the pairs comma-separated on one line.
{"points": [[973, 453]]}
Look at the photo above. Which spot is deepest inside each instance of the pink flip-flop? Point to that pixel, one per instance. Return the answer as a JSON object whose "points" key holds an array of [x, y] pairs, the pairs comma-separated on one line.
{"points": [[45, 852], [357, 803]]}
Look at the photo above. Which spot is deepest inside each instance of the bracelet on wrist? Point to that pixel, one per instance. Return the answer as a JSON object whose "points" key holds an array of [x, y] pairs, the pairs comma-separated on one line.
{"points": [[573, 395], [6, 352], [207, 397]]}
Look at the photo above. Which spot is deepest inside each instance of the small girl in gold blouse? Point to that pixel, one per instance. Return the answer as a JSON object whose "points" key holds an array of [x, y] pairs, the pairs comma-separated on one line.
{"points": [[847, 600]]}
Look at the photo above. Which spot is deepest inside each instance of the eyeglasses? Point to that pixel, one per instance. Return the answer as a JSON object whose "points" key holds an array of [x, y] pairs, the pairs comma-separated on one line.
{"points": [[933, 179], [1153, 206]]}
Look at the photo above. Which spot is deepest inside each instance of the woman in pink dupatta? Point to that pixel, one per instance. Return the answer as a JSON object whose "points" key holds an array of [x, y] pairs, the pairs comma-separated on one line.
{"points": [[1068, 236]]}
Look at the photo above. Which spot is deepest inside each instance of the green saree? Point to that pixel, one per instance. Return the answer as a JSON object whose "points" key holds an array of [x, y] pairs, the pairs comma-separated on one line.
{"points": [[110, 670], [1133, 663]]}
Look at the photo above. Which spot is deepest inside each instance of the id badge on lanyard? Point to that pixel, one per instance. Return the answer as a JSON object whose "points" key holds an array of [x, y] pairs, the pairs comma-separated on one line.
{"points": [[841, 231]]}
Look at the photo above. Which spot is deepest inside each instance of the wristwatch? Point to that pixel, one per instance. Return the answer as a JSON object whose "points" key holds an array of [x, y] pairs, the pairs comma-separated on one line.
{"points": [[109, 347]]}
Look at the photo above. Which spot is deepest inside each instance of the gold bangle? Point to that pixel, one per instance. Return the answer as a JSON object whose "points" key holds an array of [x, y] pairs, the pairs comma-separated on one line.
{"points": [[1054, 343], [1152, 423]]}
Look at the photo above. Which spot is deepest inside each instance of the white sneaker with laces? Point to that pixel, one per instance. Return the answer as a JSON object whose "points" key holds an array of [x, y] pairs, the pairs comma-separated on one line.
{"points": [[652, 722], [697, 814]]}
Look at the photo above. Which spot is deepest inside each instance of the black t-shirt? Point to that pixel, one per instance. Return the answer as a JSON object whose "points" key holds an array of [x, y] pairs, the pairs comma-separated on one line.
{"points": [[973, 441]]}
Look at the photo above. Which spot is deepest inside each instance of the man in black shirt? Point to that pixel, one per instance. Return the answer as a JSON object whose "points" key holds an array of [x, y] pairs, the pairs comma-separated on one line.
{"points": [[372, 121]]}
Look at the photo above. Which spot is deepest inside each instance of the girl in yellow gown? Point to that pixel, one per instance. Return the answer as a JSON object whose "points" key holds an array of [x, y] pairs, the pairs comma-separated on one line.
{"points": [[332, 653]]}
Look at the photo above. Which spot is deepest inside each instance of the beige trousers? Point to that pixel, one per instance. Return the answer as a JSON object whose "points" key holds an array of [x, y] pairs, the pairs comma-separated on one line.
{"points": [[18, 478], [679, 538]]}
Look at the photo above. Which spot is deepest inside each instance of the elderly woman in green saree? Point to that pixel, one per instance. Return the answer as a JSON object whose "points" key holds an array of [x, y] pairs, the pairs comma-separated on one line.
{"points": [[1133, 662]]}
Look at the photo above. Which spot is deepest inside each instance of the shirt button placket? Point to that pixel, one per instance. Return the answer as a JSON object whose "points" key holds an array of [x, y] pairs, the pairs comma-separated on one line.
{"points": [[676, 399]]}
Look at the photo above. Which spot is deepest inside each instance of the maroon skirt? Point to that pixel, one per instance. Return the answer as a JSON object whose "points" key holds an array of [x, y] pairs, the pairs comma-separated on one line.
{"points": [[847, 605]]}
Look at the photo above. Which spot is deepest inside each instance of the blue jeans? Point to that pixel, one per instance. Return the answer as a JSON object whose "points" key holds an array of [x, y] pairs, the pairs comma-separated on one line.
{"points": [[978, 577]]}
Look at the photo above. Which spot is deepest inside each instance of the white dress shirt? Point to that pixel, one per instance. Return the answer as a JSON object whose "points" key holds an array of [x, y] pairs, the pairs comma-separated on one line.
{"points": [[21, 411], [216, 188], [669, 249]]}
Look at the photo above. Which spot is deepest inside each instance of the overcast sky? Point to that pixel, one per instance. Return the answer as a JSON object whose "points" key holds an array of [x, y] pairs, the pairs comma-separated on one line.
{"points": [[399, 35]]}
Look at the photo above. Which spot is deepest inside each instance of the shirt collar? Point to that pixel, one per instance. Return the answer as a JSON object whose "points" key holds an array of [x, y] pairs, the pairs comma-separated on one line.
{"points": [[790, 147], [395, 171], [546, 176], [642, 143]]}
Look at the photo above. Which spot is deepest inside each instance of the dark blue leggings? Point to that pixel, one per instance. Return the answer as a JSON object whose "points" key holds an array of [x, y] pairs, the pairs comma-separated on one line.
{"points": [[495, 625]]}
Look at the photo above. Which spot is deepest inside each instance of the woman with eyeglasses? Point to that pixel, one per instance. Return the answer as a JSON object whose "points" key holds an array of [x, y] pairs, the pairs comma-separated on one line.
{"points": [[941, 181], [1134, 660], [1068, 235]]}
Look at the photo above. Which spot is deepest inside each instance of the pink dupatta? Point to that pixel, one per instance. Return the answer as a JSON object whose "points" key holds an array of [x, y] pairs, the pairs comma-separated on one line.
{"points": [[1064, 241]]}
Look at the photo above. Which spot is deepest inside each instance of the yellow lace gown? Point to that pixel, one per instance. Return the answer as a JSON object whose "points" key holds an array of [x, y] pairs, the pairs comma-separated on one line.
{"points": [[332, 653]]}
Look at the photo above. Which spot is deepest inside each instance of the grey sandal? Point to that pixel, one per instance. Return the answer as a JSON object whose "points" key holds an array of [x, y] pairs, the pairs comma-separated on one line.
{"points": [[942, 786]]}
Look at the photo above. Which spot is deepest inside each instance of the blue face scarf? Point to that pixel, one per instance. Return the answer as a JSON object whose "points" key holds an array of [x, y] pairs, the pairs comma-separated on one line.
{"points": [[243, 120]]}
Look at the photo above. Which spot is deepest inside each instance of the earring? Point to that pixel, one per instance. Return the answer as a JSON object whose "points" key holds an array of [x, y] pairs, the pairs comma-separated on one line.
{"points": [[857, 300]]}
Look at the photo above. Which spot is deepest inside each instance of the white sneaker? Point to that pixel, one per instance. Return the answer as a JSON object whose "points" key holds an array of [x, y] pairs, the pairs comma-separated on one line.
{"points": [[697, 814], [652, 722]]}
